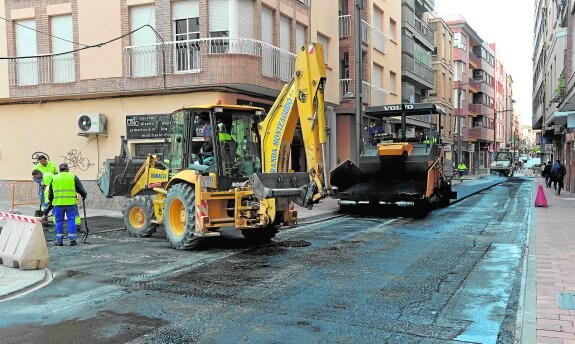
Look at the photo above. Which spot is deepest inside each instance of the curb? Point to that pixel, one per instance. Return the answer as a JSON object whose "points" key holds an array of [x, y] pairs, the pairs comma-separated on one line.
{"points": [[475, 192], [29, 288], [320, 217], [527, 310]]}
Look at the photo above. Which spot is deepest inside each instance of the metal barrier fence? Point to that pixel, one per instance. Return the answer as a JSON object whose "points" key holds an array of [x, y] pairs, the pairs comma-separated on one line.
{"points": [[24, 192]]}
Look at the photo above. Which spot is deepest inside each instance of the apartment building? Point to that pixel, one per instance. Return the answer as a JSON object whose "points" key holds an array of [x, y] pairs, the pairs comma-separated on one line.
{"points": [[132, 60], [381, 67], [442, 94], [558, 125], [474, 94]]}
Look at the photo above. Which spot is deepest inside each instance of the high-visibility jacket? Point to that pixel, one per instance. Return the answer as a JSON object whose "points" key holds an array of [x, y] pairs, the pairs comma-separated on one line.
{"points": [[461, 167], [46, 181], [224, 136], [50, 167], [64, 189]]}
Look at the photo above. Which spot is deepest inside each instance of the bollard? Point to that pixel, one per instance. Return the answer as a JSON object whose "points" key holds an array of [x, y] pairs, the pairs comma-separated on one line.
{"points": [[540, 199]]}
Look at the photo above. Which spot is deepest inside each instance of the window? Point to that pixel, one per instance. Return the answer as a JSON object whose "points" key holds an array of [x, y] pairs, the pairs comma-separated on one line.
{"points": [[144, 54], [300, 31], [378, 19], [392, 29], [219, 25], [376, 79], [245, 17], [285, 44], [459, 70], [63, 66], [392, 82], [185, 15], [27, 69], [460, 41], [268, 37], [325, 42]]}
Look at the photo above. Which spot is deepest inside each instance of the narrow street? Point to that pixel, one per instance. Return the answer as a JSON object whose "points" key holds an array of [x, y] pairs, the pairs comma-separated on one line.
{"points": [[452, 277]]}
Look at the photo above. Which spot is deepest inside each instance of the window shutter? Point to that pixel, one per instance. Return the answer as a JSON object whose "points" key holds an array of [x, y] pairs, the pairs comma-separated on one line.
{"points": [[27, 69], [218, 14], [323, 41], [185, 9], [377, 73], [246, 18], [377, 21], [143, 59], [267, 25], [285, 33], [299, 36], [63, 68], [26, 38], [140, 16], [62, 28]]}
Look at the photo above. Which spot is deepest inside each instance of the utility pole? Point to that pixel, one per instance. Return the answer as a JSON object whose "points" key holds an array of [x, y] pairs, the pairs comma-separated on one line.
{"points": [[358, 70], [458, 124]]}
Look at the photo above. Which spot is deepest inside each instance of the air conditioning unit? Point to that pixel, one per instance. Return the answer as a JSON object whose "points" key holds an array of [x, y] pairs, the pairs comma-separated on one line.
{"points": [[92, 123], [478, 125]]}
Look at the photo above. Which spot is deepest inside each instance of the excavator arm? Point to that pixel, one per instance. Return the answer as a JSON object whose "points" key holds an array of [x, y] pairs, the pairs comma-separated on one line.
{"points": [[301, 100]]}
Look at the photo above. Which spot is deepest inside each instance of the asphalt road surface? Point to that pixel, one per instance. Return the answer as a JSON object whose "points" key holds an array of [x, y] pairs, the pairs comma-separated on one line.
{"points": [[452, 277]]}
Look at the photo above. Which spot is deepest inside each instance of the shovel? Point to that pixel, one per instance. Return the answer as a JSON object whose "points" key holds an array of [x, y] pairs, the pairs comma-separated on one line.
{"points": [[85, 223]]}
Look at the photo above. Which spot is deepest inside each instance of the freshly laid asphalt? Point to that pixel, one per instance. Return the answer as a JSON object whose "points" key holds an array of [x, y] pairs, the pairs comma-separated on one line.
{"points": [[549, 281]]}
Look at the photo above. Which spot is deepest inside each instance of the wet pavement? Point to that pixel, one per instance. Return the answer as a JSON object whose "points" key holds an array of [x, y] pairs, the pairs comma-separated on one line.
{"points": [[452, 277]]}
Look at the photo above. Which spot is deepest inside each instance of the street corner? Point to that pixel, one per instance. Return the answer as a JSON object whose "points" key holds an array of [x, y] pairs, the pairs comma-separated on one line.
{"points": [[15, 282]]}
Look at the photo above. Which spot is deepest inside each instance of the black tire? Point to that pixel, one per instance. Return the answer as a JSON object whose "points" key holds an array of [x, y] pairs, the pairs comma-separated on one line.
{"points": [[180, 216], [420, 209], [260, 235], [138, 215]]}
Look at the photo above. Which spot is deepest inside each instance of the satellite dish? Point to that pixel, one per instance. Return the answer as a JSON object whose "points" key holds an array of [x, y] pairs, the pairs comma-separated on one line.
{"points": [[84, 123]]}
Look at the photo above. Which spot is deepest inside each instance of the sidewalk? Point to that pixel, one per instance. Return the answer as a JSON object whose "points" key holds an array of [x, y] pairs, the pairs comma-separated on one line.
{"points": [[549, 315]]}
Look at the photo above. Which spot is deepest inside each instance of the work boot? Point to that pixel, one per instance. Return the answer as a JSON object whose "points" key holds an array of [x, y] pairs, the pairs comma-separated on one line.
{"points": [[59, 244], [73, 243]]}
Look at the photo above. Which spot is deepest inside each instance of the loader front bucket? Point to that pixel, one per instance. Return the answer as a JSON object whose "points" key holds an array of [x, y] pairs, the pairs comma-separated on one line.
{"points": [[117, 177], [289, 185], [385, 179]]}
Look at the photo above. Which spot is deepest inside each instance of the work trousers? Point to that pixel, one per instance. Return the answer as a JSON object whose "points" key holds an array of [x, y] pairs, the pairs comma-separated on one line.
{"points": [[70, 211]]}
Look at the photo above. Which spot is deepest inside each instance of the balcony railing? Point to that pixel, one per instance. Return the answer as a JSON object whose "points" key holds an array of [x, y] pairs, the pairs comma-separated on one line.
{"points": [[418, 68], [365, 32], [345, 26], [42, 70], [305, 2], [371, 95], [379, 40], [375, 96], [187, 57], [425, 30]]}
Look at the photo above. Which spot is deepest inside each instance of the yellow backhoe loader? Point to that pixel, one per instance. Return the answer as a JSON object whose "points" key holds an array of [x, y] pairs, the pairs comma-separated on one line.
{"points": [[227, 165]]}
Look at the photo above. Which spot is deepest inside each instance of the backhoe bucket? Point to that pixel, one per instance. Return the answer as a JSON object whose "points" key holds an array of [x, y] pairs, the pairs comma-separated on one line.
{"points": [[116, 180], [291, 185]]}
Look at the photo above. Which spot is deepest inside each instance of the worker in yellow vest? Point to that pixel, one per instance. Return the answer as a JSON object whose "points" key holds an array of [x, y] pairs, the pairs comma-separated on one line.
{"points": [[45, 165], [62, 196]]}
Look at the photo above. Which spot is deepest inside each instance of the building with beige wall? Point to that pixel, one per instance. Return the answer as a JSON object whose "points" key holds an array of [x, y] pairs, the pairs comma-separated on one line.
{"points": [[442, 94], [133, 57], [381, 64]]}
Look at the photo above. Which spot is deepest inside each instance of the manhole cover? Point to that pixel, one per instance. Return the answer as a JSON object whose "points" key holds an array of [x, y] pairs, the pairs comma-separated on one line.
{"points": [[295, 243], [567, 301]]}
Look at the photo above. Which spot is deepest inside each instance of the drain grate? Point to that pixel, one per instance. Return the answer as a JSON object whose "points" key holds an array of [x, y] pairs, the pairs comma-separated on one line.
{"points": [[567, 301]]}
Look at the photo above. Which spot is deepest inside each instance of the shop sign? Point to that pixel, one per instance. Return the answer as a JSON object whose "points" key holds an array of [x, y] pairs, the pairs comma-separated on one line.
{"points": [[153, 126]]}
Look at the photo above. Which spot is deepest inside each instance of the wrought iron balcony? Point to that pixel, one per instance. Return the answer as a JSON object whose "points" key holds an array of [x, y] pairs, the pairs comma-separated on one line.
{"points": [[193, 56], [371, 95], [42, 70], [345, 29]]}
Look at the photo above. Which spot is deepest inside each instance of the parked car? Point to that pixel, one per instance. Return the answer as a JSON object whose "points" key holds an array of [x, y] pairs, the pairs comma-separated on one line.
{"points": [[532, 163], [524, 158]]}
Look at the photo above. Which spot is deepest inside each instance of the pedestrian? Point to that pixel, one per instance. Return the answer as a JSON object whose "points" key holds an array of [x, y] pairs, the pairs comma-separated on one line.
{"points": [[547, 173], [462, 169], [62, 196], [45, 165], [558, 172]]}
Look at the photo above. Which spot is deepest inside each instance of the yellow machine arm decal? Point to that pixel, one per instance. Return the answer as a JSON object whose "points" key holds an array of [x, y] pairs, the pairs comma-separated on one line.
{"points": [[301, 99]]}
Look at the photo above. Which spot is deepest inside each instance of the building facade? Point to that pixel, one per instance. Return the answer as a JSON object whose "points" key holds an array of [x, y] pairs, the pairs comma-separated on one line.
{"points": [[381, 66], [137, 58], [442, 94]]}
